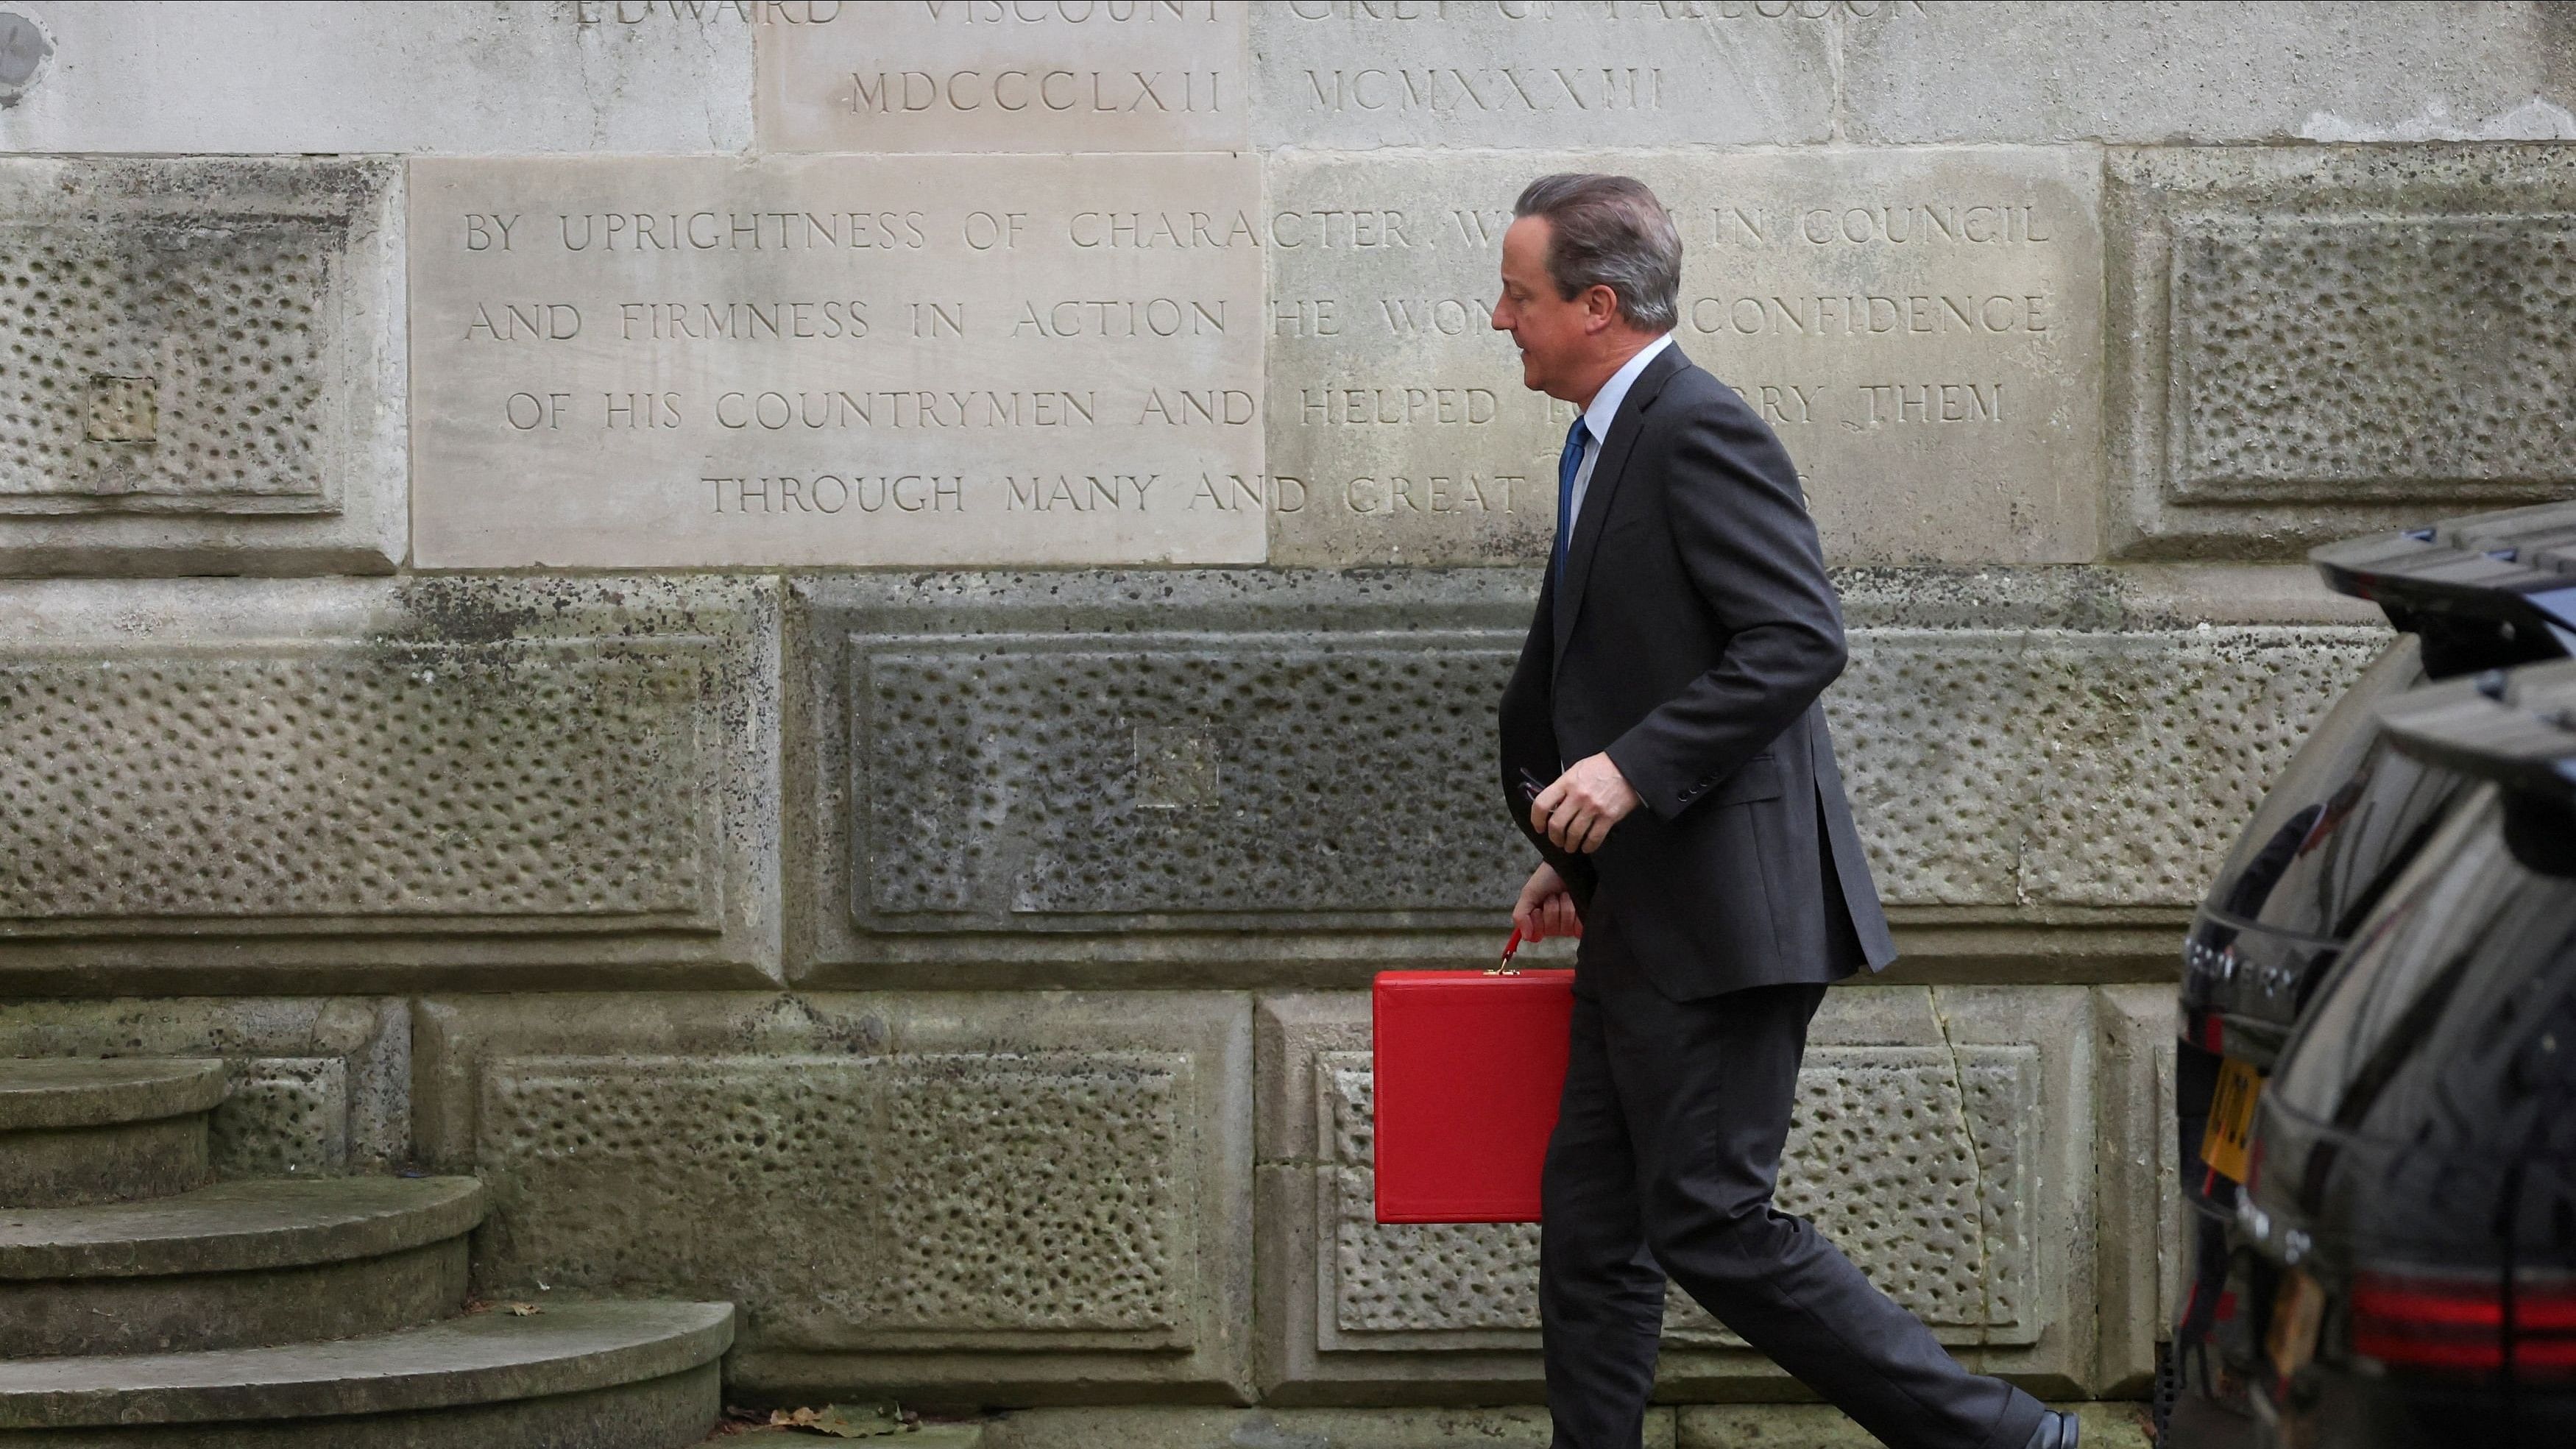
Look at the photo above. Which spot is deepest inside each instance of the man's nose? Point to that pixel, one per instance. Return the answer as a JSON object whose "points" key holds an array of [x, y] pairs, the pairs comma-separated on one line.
{"points": [[1500, 324]]}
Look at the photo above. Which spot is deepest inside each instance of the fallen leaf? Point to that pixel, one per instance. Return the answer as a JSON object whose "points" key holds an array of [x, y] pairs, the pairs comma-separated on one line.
{"points": [[848, 1421], [860, 1421]]}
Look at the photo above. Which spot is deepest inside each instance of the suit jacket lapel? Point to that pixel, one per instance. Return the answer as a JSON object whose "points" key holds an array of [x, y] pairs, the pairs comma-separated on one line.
{"points": [[1606, 473]]}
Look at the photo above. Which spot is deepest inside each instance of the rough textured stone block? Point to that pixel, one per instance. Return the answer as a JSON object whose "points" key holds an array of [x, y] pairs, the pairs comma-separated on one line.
{"points": [[317, 1085], [1106, 771], [1154, 75], [2071, 767], [207, 371], [1943, 1139], [1148, 755], [842, 360], [2175, 70], [2142, 1208], [1344, 74], [1919, 328], [381, 782], [978, 1196], [2316, 343], [252, 77]]}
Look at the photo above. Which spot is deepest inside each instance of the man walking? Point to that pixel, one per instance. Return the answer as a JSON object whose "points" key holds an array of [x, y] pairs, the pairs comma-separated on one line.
{"points": [[1663, 746]]}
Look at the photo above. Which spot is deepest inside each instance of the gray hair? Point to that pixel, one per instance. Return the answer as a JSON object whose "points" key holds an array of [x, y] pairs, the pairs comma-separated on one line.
{"points": [[1610, 231]]}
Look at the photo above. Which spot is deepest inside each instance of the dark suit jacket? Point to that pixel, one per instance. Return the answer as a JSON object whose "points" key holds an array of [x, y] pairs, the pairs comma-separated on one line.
{"points": [[1694, 633]]}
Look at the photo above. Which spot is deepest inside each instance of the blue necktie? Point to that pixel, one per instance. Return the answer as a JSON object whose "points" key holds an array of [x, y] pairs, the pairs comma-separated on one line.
{"points": [[1569, 463]]}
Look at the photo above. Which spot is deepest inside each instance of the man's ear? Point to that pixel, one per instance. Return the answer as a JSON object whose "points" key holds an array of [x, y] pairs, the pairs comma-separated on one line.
{"points": [[1600, 308]]}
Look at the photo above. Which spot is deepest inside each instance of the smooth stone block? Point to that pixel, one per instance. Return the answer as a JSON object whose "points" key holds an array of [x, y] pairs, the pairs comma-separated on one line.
{"points": [[1919, 328], [314, 1085], [39, 1094], [255, 78], [674, 1411], [2315, 343], [210, 374], [235, 1265], [1353, 74], [2175, 70], [2143, 1225], [987, 76], [982, 1197], [856, 360], [77, 1131], [1943, 1139], [291, 1394], [111, 1162], [228, 785]]}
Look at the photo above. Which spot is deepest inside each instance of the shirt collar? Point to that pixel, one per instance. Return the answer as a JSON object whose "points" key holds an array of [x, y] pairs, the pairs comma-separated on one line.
{"points": [[1605, 403]]}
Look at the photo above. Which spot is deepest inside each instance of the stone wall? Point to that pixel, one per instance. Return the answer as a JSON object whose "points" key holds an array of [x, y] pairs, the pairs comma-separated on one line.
{"points": [[829, 640]]}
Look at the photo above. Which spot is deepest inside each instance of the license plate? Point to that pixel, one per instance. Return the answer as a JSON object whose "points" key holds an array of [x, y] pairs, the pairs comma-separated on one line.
{"points": [[2296, 1312], [2231, 1119]]}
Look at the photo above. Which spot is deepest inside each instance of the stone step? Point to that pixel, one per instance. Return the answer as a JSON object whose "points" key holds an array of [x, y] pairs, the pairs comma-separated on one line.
{"points": [[235, 1265], [632, 1375], [85, 1130]]}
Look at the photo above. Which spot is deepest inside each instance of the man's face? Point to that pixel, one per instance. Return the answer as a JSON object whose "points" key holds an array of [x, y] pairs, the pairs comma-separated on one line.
{"points": [[1555, 336]]}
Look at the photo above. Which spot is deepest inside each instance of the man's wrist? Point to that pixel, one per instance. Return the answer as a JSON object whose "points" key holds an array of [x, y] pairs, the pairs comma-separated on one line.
{"points": [[1623, 758]]}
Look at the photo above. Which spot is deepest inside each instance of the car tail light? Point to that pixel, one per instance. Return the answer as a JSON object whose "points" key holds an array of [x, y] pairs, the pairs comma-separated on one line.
{"points": [[2466, 1325]]}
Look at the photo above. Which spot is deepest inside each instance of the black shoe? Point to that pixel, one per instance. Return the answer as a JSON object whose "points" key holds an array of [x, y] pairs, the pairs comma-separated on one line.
{"points": [[2055, 1431]]}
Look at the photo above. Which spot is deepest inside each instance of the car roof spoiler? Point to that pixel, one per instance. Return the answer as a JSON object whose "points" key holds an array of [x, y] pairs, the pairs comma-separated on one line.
{"points": [[2514, 726], [2515, 567]]}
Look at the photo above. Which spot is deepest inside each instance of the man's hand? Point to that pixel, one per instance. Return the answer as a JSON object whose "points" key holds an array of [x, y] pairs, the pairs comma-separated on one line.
{"points": [[1546, 907], [1576, 812]]}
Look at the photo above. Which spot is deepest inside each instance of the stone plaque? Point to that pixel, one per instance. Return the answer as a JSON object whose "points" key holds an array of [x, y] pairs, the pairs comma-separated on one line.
{"points": [[1358, 73], [837, 360], [1920, 328], [987, 75]]}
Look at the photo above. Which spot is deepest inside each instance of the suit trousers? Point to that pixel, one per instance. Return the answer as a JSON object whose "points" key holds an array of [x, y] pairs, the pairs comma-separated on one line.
{"points": [[1666, 1146]]}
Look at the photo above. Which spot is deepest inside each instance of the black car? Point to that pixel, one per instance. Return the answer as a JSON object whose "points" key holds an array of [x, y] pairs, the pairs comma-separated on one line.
{"points": [[2470, 595], [2408, 1225]]}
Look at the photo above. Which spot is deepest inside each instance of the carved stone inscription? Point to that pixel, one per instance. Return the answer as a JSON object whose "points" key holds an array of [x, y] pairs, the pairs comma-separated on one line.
{"points": [[1921, 329], [844, 360], [1005, 75], [1347, 74]]}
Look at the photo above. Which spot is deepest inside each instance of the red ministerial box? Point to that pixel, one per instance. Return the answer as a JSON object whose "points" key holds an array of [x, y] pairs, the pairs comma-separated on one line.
{"points": [[1469, 1066]]}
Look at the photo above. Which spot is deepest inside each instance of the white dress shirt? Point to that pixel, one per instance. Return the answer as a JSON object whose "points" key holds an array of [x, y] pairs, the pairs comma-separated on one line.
{"points": [[1603, 408]]}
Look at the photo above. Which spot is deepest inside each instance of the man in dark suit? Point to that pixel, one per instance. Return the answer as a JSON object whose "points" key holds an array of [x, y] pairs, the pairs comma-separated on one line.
{"points": [[1663, 747]]}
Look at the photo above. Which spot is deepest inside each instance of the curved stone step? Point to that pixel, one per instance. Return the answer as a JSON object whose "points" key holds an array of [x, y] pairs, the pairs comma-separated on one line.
{"points": [[576, 1376], [236, 1264], [86, 1130]]}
